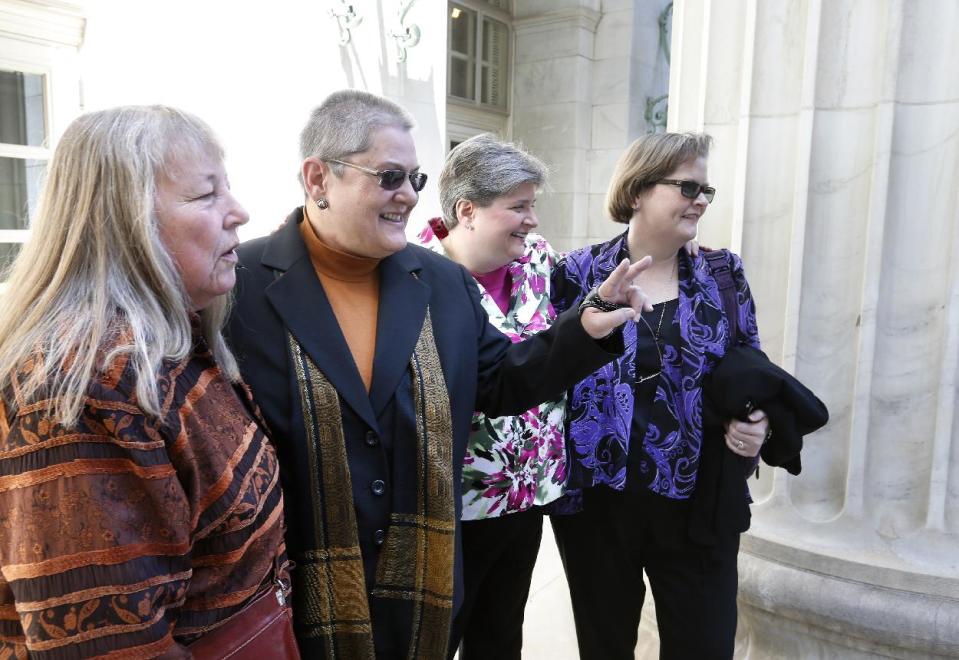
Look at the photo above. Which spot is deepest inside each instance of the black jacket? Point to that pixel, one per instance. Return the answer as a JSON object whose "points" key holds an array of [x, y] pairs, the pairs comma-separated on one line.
{"points": [[744, 380], [278, 291]]}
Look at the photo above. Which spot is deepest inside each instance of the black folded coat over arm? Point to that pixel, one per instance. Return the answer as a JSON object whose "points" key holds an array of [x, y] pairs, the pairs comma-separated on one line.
{"points": [[743, 381]]}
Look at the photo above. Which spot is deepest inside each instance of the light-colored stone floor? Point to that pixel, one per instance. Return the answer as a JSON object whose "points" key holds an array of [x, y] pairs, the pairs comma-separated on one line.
{"points": [[548, 631]]}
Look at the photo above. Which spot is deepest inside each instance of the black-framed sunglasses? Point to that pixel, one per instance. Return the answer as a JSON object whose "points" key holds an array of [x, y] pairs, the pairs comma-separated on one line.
{"points": [[389, 179], [691, 189]]}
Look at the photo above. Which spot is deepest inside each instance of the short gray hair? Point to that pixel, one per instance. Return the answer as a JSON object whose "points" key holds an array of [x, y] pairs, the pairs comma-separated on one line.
{"points": [[484, 168], [344, 123]]}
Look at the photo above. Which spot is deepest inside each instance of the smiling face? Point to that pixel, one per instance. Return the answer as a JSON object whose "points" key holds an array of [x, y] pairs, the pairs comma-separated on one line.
{"points": [[198, 220], [363, 219], [499, 230], [664, 216]]}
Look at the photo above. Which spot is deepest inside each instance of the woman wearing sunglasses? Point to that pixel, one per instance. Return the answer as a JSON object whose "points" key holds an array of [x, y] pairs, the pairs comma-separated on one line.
{"points": [[368, 357], [635, 426]]}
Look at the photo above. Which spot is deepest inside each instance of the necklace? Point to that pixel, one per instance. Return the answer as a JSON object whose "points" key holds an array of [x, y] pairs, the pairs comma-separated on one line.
{"points": [[664, 290], [655, 335]]}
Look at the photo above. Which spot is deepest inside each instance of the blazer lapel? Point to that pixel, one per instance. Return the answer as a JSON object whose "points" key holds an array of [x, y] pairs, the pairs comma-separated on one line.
{"points": [[700, 326], [402, 310], [298, 297]]}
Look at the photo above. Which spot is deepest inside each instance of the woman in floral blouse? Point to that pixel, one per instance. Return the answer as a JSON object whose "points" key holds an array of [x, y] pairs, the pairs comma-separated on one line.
{"points": [[514, 465]]}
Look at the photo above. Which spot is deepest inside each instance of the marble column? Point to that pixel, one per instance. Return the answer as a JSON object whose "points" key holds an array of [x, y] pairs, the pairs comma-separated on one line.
{"points": [[583, 70], [551, 105], [837, 170]]}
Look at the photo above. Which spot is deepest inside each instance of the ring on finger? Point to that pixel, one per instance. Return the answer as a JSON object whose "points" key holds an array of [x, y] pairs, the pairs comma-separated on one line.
{"points": [[739, 443]]}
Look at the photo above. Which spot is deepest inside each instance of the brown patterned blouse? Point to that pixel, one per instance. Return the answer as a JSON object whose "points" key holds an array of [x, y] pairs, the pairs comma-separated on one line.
{"points": [[128, 534]]}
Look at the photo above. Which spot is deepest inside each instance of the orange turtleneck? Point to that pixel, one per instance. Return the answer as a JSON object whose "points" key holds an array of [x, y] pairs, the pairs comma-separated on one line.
{"points": [[352, 285]]}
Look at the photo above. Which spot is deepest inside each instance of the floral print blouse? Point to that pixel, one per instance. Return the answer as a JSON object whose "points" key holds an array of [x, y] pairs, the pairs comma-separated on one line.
{"points": [[515, 462]]}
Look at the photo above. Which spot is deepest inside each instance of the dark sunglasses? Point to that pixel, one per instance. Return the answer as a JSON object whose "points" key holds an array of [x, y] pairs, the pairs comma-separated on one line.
{"points": [[691, 189], [389, 179]]}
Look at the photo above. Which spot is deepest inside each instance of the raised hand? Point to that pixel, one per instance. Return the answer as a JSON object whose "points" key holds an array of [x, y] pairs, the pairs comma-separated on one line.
{"points": [[618, 289]]}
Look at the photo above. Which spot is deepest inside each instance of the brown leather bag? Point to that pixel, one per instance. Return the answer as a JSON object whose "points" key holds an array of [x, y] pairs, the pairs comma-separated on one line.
{"points": [[262, 629]]}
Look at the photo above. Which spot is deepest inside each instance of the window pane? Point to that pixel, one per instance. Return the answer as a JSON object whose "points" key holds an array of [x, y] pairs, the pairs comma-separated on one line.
{"points": [[496, 55], [499, 4], [20, 182], [8, 252], [495, 46], [484, 84], [22, 109], [461, 78], [462, 30]]}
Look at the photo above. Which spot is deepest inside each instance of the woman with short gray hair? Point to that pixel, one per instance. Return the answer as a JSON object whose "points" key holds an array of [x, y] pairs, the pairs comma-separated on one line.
{"points": [[514, 464], [368, 356]]}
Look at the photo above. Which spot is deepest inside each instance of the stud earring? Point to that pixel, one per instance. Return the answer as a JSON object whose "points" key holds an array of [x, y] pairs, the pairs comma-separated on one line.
{"points": [[322, 204]]}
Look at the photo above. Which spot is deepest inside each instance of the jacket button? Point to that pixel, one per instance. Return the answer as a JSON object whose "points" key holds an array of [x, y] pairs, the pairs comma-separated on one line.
{"points": [[371, 439], [378, 487], [379, 536]]}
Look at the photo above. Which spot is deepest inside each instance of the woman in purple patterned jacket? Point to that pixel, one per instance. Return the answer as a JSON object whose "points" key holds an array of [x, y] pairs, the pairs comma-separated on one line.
{"points": [[635, 426]]}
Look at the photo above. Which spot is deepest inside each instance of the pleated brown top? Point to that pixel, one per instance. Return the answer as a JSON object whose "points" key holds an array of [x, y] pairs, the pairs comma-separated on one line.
{"points": [[128, 534]]}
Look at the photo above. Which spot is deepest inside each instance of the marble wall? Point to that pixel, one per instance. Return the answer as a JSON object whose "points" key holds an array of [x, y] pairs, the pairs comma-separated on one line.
{"points": [[836, 161], [259, 97]]}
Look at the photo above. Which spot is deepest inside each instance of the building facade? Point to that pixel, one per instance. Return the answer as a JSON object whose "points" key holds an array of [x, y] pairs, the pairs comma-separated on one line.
{"points": [[836, 157]]}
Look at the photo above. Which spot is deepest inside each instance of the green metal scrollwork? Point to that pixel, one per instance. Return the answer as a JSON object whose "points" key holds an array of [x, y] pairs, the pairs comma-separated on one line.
{"points": [[655, 115], [665, 27]]}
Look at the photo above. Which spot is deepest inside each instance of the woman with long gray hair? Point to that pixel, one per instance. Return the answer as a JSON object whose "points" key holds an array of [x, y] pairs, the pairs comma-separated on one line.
{"points": [[514, 464], [139, 498]]}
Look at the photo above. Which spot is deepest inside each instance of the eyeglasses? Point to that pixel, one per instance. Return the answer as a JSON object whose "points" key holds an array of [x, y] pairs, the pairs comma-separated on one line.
{"points": [[691, 189], [389, 179]]}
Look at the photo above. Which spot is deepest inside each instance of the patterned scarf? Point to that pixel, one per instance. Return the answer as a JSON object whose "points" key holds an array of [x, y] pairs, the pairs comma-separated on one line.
{"points": [[416, 562]]}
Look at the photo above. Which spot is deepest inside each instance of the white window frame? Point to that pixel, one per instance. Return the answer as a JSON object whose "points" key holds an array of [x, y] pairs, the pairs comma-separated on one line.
{"points": [[42, 38], [26, 152], [464, 117]]}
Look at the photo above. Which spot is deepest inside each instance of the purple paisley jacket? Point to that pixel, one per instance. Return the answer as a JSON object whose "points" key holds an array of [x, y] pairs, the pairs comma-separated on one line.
{"points": [[600, 408]]}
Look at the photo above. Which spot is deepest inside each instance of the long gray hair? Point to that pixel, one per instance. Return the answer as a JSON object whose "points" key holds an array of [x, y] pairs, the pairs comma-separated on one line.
{"points": [[345, 122], [94, 282], [483, 168]]}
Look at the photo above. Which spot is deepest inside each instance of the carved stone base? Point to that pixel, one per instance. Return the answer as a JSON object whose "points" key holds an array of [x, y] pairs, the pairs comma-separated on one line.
{"points": [[797, 603], [789, 607]]}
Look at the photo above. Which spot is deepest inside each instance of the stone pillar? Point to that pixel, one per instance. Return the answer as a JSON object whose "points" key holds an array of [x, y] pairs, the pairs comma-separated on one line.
{"points": [[628, 69], [551, 105], [583, 70], [836, 167]]}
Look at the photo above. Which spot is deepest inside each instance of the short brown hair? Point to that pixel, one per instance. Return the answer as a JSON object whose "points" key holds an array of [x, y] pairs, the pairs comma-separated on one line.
{"points": [[647, 160]]}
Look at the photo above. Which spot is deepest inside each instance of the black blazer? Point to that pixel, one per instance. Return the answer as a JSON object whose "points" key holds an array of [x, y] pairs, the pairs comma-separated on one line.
{"points": [[744, 380], [278, 290]]}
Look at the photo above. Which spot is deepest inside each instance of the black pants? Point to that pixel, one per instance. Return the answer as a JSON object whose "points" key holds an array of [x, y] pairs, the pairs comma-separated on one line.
{"points": [[605, 550], [498, 559]]}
